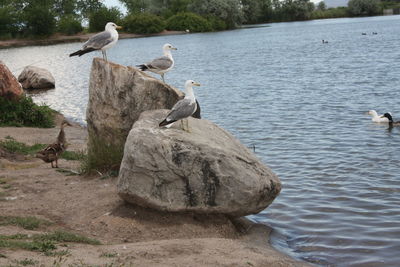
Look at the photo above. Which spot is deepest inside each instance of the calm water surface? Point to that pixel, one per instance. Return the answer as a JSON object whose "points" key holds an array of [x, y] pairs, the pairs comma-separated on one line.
{"points": [[302, 104]]}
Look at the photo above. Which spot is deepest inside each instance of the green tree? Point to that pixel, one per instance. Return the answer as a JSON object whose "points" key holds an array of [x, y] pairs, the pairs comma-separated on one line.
{"points": [[39, 18], [69, 24], [230, 11], [188, 21], [363, 7], [136, 6], [8, 21], [98, 19], [86, 7], [321, 6]]}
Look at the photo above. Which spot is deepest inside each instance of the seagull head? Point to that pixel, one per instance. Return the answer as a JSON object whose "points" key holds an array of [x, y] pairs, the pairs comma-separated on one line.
{"points": [[190, 83], [112, 26], [169, 47]]}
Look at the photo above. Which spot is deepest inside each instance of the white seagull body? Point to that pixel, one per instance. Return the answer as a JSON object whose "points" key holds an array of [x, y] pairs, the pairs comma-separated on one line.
{"points": [[184, 108], [376, 117], [100, 41], [160, 65]]}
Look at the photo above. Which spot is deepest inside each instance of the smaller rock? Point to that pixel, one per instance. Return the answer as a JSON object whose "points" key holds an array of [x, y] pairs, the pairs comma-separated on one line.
{"points": [[36, 78], [9, 86]]}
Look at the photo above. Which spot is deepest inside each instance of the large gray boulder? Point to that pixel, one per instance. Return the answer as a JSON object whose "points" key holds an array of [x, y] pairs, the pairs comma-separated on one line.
{"points": [[36, 78], [204, 171], [117, 96]]}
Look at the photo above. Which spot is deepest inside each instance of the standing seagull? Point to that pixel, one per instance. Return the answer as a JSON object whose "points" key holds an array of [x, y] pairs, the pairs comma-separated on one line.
{"points": [[100, 41], [162, 64], [183, 108]]}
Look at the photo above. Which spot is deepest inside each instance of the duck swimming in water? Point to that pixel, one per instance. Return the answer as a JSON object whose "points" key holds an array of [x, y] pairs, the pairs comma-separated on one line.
{"points": [[51, 153], [391, 122], [376, 117]]}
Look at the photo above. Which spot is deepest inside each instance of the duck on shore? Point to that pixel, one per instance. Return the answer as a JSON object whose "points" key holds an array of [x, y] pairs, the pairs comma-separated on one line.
{"points": [[376, 117], [391, 122], [51, 153]]}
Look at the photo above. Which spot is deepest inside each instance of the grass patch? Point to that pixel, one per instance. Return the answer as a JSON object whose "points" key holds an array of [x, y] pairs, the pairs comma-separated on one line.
{"points": [[102, 157], [72, 155], [41, 246], [60, 253], [68, 172], [109, 254], [26, 262], [7, 186], [16, 236], [63, 236], [24, 112], [13, 146], [29, 223]]}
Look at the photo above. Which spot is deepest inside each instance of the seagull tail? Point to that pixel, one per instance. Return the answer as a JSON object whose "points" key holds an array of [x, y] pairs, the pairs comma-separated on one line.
{"points": [[82, 52], [142, 67], [165, 123]]}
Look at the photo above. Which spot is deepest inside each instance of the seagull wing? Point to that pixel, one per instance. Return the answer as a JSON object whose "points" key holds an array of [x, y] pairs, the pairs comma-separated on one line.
{"points": [[98, 40], [161, 63], [182, 109]]}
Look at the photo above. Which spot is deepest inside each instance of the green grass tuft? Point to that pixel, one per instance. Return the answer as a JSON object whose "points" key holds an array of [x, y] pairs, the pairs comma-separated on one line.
{"points": [[63, 236], [109, 254], [24, 112], [42, 246], [13, 146], [29, 223], [26, 262], [102, 157], [72, 155]]}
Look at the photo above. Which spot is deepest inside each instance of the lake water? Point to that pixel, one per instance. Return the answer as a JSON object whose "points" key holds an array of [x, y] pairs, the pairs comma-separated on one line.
{"points": [[302, 104]]}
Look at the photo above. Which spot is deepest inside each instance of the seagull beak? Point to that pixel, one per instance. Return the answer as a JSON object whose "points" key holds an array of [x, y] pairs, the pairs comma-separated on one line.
{"points": [[174, 48], [196, 84], [119, 27]]}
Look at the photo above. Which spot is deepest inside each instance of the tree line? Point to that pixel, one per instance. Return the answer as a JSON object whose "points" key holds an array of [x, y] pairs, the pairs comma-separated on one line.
{"points": [[30, 18]]}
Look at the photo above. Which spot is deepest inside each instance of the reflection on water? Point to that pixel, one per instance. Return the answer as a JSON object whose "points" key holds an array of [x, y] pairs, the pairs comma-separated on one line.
{"points": [[302, 104]]}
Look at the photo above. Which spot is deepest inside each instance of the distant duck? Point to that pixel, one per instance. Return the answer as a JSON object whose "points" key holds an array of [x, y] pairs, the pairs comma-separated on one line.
{"points": [[324, 42], [376, 117], [374, 33], [51, 153], [391, 122], [364, 33]]}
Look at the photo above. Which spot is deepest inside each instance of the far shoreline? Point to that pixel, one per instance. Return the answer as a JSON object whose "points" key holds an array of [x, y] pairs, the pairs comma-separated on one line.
{"points": [[62, 39]]}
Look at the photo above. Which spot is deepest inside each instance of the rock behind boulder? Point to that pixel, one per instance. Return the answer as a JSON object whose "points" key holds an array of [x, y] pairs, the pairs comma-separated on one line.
{"points": [[9, 86], [117, 96], [36, 78], [205, 171]]}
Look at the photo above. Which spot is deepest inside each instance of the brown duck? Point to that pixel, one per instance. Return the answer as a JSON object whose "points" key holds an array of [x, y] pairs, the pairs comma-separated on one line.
{"points": [[53, 151]]}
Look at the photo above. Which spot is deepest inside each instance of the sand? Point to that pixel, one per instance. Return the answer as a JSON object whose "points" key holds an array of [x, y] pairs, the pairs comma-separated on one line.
{"points": [[130, 235]]}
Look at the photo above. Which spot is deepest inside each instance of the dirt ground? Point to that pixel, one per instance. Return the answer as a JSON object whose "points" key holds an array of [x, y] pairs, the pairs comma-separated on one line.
{"points": [[130, 235], [58, 39]]}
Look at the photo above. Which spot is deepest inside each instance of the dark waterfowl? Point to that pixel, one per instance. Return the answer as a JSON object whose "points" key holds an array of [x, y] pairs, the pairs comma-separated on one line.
{"points": [[51, 153], [391, 122]]}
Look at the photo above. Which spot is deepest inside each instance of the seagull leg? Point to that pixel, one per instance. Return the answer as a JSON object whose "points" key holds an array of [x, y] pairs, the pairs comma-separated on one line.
{"points": [[52, 164], [102, 52], [182, 125], [105, 53], [162, 76]]}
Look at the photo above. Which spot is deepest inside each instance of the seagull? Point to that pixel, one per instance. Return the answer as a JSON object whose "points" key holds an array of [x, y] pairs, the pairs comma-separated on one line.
{"points": [[162, 64], [376, 117], [184, 108], [100, 41], [390, 118]]}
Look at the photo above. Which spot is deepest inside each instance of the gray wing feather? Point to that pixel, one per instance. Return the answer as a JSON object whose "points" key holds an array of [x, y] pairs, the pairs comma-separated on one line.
{"points": [[161, 63], [182, 109], [98, 41]]}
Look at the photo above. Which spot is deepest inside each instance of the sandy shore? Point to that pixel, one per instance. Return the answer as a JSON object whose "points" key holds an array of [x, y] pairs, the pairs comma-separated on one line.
{"points": [[130, 235], [59, 39]]}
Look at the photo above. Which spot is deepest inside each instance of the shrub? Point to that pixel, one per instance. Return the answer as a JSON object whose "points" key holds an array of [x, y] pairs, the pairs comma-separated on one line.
{"points": [[143, 23], [98, 19], [69, 25], [190, 21], [24, 112], [216, 23]]}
